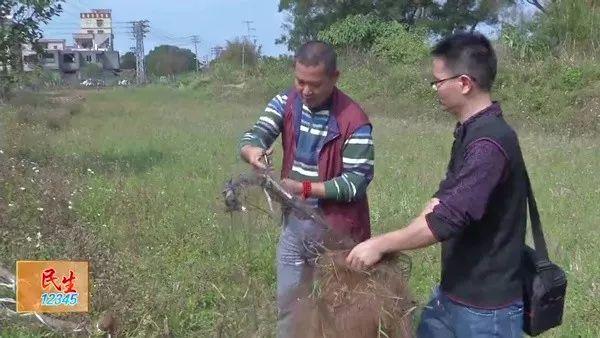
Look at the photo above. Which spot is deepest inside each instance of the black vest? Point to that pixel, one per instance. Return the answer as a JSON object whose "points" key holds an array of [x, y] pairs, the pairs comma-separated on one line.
{"points": [[481, 265]]}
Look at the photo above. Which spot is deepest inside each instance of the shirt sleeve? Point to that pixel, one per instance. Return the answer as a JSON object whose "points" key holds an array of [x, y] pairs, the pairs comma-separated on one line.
{"points": [[465, 199], [269, 125], [359, 165]]}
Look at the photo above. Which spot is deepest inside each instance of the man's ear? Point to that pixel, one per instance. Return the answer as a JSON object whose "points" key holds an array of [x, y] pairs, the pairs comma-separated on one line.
{"points": [[467, 84], [335, 75]]}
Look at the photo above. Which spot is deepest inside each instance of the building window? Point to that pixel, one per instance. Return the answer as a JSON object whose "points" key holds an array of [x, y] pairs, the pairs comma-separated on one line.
{"points": [[55, 47], [100, 22], [100, 31], [90, 31], [98, 58], [48, 57], [33, 58], [88, 58], [68, 58]]}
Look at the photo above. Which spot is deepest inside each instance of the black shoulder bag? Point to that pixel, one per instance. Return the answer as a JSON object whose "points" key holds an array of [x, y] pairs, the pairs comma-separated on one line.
{"points": [[544, 283]]}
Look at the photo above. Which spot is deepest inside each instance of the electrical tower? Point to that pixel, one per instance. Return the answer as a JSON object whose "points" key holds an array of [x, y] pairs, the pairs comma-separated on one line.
{"points": [[196, 41], [140, 29]]}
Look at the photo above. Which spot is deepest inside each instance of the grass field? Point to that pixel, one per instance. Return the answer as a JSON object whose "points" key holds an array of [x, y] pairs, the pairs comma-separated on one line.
{"points": [[137, 176]]}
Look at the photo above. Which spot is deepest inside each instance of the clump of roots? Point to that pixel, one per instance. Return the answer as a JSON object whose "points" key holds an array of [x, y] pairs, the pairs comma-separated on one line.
{"points": [[341, 302]]}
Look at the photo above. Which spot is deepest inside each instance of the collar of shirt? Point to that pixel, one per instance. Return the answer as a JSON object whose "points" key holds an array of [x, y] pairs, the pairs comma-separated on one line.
{"points": [[493, 110], [325, 106]]}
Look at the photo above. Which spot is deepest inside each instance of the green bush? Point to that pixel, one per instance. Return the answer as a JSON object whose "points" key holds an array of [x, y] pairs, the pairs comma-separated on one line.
{"points": [[571, 25], [92, 70], [572, 77], [399, 45], [356, 31], [225, 72], [568, 28], [389, 40], [523, 45]]}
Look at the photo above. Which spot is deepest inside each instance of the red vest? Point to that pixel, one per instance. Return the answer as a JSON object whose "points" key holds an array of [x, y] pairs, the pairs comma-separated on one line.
{"points": [[346, 116]]}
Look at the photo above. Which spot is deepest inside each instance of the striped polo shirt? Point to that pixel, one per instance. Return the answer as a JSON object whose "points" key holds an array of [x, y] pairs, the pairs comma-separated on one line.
{"points": [[358, 153]]}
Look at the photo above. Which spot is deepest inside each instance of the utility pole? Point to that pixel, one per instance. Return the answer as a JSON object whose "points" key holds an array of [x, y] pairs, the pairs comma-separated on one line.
{"points": [[196, 41], [140, 29], [244, 40]]}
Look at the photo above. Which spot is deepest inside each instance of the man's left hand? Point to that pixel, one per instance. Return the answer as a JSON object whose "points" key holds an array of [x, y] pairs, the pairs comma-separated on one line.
{"points": [[365, 254]]}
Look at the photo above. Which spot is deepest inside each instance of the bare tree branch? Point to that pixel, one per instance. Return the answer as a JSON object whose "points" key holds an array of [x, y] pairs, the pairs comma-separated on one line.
{"points": [[537, 4]]}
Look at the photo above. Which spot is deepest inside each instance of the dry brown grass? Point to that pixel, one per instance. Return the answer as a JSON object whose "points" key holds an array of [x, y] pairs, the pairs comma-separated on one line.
{"points": [[355, 304]]}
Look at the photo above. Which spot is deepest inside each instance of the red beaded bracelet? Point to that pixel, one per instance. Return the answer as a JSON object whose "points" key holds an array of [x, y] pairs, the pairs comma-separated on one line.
{"points": [[306, 189]]}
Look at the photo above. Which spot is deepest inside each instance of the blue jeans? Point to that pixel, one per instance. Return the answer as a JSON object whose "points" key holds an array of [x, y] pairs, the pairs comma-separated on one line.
{"points": [[443, 318], [296, 252]]}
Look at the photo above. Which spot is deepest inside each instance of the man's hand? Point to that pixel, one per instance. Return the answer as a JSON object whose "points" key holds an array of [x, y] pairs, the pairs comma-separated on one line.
{"points": [[254, 156], [365, 254], [291, 186]]}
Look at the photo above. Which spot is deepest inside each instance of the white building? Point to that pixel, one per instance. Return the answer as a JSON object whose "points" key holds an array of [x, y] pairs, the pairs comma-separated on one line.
{"points": [[53, 44], [96, 32], [93, 45]]}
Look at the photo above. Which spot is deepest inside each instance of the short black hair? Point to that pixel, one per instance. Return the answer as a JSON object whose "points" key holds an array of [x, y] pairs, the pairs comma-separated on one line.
{"points": [[315, 52], [471, 54]]}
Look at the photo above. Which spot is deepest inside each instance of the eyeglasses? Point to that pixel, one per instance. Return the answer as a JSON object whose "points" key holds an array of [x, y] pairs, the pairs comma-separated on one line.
{"points": [[436, 83]]}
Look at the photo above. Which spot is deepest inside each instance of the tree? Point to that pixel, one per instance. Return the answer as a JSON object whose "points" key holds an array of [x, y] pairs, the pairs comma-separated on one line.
{"points": [[234, 49], [128, 61], [170, 60], [20, 22], [390, 40], [453, 15], [306, 18]]}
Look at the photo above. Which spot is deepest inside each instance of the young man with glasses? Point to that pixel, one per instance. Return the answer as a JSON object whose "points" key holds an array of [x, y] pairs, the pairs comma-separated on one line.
{"points": [[479, 211]]}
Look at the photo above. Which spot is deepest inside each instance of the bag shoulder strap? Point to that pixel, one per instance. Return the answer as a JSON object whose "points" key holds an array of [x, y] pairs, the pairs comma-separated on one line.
{"points": [[536, 225]]}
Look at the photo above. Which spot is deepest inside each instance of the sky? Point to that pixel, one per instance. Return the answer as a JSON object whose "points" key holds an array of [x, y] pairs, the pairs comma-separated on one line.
{"points": [[172, 22]]}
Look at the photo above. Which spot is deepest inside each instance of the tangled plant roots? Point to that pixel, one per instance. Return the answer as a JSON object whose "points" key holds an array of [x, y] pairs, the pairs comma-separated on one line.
{"points": [[334, 300]]}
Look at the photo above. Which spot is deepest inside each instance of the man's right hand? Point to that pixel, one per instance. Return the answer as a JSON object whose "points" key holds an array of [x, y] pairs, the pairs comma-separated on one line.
{"points": [[254, 156]]}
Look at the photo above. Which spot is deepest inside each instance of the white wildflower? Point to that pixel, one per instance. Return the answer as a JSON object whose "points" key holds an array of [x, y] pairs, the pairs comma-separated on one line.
{"points": [[39, 235], [40, 209], [28, 239], [22, 188], [11, 205]]}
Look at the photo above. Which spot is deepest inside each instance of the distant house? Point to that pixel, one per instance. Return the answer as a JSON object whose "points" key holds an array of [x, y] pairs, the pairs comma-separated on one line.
{"points": [[93, 44]]}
